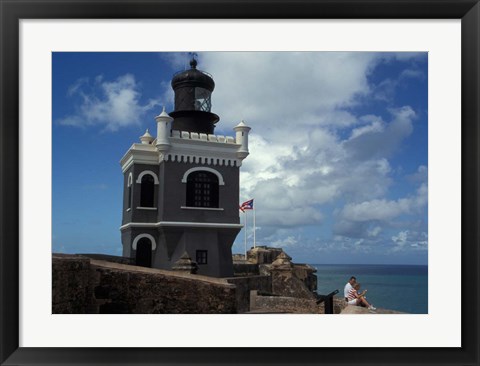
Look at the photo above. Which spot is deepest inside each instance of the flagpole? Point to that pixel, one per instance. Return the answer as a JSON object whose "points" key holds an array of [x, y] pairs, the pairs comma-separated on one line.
{"points": [[254, 227], [245, 213]]}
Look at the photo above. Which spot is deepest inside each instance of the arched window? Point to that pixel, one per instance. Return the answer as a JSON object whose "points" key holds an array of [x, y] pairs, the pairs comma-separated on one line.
{"points": [[129, 197], [146, 191], [202, 189], [129, 184]]}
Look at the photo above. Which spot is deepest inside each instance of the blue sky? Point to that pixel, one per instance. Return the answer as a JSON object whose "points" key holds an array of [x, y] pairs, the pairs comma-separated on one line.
{"points": [[338, 149]]}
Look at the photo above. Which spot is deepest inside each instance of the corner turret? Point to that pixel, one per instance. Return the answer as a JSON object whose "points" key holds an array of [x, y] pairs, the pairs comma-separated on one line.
{"points": [[241, 138], [163, 130]]}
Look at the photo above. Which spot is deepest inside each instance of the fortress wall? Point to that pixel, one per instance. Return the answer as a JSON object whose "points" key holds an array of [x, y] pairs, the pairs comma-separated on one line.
{"points": [[286, 284], [339, 304], [137, 290], [70, 279], [283, 304], [243, 287], [245, 269], [110, 258], [82, 285]]}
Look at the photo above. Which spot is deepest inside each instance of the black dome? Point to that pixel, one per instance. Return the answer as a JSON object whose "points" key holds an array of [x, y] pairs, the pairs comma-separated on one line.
{"points": [[193, 90], [193, 77]]}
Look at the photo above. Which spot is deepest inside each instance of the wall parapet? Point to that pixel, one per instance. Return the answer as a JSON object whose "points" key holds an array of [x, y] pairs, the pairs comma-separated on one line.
{"points": [[82, 285], [282, 304], [176, 134]]}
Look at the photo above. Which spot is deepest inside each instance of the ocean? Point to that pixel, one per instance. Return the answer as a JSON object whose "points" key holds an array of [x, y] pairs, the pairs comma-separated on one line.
{"points": [[397, 287]]}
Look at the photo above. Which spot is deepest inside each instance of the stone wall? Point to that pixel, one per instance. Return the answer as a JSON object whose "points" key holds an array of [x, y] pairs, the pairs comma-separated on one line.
{"points": [[245, 269], [282, 304], [246, 284], [306, 273], [290, 286], [263, 255], [86, 285], [238, 257], [339, 304], [70, 280], [150, 291], [110, 258], [359, 310], [82, 285]]}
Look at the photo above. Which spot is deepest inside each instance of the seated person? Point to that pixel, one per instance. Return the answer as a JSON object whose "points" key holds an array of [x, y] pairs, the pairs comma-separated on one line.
{"points": [[358, 299], [349, 286]]}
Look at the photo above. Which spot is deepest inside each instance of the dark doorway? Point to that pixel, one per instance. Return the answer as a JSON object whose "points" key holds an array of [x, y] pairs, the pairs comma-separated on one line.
{"points": [[144, 253]]}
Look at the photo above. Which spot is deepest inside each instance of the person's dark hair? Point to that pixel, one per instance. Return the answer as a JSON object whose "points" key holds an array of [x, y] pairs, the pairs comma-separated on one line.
{"points": [[353, 278]]}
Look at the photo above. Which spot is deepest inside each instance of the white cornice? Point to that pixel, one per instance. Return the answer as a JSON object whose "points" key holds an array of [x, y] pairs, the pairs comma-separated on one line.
{"points": [[140, 154], [201, 208], [214, 225], [203, 148], [196, 159], [185, 150], [203, 152]]}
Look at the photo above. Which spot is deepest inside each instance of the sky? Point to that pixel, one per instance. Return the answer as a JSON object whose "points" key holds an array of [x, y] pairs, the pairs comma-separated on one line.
{"points": [[338, 163]]}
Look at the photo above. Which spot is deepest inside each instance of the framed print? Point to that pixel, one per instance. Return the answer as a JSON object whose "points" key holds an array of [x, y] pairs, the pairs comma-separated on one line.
{"points": [[350, 126]]}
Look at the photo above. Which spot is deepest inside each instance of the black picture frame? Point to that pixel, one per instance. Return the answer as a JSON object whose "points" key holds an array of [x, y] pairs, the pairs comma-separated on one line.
{"points": [[12, 11]]}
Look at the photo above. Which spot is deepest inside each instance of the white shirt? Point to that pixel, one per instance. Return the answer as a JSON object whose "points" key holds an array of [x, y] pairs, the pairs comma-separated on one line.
{"points": [[347, 289]]}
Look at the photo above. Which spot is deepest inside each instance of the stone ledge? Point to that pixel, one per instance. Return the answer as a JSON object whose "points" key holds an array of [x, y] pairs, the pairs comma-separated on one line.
{"points": [[351, 309], [132, 268]]}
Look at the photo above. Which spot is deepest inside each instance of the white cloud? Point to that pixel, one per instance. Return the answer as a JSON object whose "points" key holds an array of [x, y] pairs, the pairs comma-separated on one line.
{"points": [[412, 73], [296, 104], [374, 231], [76, 86], [177, 60], [384, 210], [111, 104], [420, 176], [380, 139], [285, 242], [280, 91], [400, 240], [295, 180], [376, 126], [309, 153], [408, 240]]}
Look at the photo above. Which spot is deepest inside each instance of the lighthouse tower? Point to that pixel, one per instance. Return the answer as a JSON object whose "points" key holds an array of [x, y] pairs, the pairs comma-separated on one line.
{"points": [[181, 189]]}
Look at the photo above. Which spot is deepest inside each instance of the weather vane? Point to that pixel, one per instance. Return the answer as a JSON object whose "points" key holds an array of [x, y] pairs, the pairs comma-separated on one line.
{"points": [[193, 61]]}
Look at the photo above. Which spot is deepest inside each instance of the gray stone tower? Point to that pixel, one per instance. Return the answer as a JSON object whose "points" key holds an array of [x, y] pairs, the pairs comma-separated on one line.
{"points": [[181, 189]]}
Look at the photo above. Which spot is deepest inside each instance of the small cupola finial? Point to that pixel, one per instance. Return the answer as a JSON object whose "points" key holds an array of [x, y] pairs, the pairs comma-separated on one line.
{"points": [[193, 61], [146, 138]]}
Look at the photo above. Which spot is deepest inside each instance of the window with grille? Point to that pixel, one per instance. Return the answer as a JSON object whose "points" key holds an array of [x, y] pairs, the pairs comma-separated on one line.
{"points": [[202, 189], [203, 101], [202, 257]]}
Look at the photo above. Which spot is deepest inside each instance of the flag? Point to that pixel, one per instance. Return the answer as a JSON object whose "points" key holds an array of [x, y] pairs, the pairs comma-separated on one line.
{"points": [[247, 205]]}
